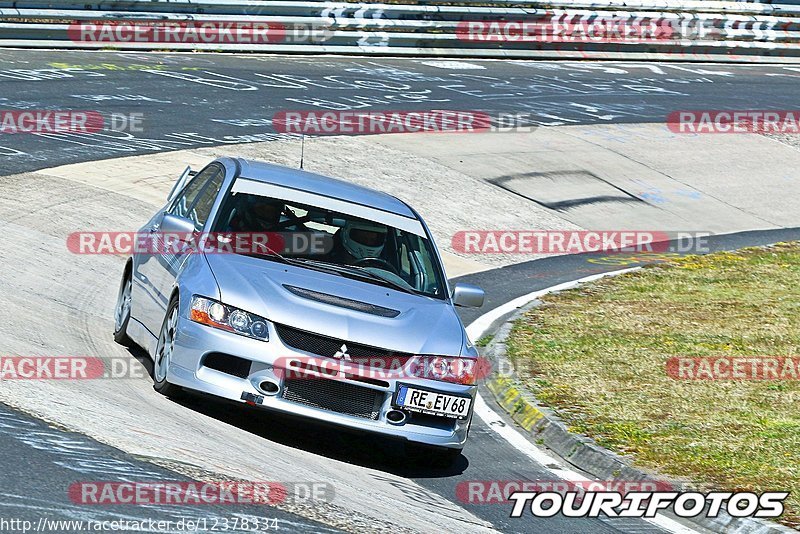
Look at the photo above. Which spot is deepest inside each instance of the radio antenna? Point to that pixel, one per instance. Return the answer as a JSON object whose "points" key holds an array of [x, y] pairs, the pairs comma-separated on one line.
{"points": [[302, 149]]}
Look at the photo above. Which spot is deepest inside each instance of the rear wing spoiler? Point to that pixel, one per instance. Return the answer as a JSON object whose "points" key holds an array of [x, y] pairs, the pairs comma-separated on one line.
{"points": [[186, 175]]}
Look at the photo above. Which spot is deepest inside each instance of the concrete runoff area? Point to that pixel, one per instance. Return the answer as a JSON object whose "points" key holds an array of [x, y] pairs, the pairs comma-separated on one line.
{"points": [[597, 177], [448, 181], [663, 180]]}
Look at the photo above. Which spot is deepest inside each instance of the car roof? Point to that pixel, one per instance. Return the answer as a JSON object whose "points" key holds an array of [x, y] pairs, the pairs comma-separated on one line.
{"points": [[322, 185]]}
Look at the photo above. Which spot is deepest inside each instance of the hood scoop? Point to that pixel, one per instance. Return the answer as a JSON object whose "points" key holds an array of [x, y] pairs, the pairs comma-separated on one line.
{"points": [[342, 302]]}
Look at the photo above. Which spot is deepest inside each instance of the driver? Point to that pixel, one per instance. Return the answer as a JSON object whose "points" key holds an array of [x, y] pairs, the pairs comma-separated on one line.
{"points": [[360, 241], [257, 214]]}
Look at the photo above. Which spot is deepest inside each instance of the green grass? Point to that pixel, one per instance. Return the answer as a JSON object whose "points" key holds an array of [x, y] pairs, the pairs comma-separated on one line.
{"points": [[597, 355], [484, 341]]}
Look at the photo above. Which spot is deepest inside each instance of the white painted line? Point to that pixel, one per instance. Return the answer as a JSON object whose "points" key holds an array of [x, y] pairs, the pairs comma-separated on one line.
{"points": [[478, 328], [454, 65]]}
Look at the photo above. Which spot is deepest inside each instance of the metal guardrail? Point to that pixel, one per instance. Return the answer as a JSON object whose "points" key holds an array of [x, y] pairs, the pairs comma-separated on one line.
{"points": [[698, 30]]}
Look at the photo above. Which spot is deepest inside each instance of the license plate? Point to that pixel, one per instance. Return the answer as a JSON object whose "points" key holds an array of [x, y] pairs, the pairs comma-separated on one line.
{"points": [[432, 403]]}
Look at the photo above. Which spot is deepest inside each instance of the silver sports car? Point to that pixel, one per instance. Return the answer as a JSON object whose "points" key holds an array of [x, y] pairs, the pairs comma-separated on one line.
{"points": [[304, 294]]}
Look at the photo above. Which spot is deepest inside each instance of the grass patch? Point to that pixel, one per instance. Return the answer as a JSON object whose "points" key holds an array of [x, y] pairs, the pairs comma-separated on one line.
{"points": [[597, 355], [485, 340]]}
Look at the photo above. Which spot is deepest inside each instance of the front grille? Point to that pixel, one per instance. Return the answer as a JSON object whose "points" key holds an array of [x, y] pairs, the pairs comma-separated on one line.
{"points": [[328, 346], [334, 396]]}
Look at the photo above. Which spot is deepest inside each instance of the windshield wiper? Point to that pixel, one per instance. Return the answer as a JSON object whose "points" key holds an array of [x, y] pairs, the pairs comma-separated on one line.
{"points": [[271, 254], [355, 270], [386, 281], [336, 268]]}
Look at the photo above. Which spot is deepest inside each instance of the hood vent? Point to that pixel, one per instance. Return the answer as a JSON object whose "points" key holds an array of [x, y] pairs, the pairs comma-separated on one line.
{"points": [[342, 302]]}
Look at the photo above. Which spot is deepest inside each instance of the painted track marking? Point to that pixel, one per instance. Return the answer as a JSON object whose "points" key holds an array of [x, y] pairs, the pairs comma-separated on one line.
{"points": [[478, 328]]}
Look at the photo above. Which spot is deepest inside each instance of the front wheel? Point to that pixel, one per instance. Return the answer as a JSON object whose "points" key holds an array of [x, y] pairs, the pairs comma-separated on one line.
{"points": [[164, 351], [122, 312]]}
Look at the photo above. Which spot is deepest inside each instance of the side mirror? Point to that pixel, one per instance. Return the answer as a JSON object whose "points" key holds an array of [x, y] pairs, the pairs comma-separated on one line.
{"points": [[172, 224], [468, 296]]}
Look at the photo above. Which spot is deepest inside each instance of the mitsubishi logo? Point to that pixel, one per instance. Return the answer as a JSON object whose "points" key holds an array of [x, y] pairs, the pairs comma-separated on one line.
{"points": [[342, 354]]}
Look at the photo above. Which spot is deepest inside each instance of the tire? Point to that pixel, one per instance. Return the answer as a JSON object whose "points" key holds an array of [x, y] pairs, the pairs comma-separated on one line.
{"points": [[122, 312], [164, 350]]}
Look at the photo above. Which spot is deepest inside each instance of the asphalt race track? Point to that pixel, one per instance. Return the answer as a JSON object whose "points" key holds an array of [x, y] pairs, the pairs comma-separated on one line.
{"points": [[62, 458], [195, 100], [189, 100]]}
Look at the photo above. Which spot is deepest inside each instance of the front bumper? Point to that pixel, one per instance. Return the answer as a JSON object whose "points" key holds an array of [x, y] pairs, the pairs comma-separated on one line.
{"points": [[195, 342]]}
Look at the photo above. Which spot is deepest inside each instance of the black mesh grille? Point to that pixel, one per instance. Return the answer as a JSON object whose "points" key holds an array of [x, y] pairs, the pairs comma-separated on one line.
{"points": [[334, 396], [230, 365], [343, 302], [328, 346]]}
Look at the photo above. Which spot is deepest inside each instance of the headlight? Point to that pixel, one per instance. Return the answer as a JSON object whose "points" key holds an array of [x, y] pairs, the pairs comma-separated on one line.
{"points": [[446, 369], [213, 313]]}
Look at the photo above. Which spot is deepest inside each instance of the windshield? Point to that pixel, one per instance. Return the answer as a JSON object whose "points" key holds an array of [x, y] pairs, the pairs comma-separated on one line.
{"points": [[336, 242]]}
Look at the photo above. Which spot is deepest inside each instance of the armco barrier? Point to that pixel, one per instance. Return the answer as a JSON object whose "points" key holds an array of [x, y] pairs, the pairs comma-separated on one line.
{"points": [[699, 30]]}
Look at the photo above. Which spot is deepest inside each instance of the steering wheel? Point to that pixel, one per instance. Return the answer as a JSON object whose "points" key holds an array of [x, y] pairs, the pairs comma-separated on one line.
{"points": [[377, 262]]}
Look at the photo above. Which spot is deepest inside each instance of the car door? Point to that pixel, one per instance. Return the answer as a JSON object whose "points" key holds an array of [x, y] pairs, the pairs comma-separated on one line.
{"points": [[155, 273]]}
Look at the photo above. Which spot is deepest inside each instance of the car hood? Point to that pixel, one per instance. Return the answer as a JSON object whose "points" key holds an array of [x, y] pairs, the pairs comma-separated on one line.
{"points": [[424, 325]]}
